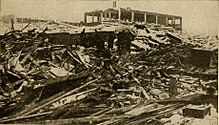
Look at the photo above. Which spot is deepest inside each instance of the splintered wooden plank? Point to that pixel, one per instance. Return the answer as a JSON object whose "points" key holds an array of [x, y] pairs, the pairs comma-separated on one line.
{"points": [[73, 104], [51, 100], [25, 117], [33, 48], [81, 120], [48, 101], [45, 74], [49, 81], [82, 59], [72, 56]]}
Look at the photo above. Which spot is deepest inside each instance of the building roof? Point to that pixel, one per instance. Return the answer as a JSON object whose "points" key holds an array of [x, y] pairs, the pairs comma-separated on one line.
{"points": [[95, 12], [148, 12], [114, 10]]}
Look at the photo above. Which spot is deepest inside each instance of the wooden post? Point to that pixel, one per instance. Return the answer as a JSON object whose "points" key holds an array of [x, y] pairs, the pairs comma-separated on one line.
{"points": [[133, 16], [98, 18], [174, 20], [109, 15], [104, 14], [92, 18], [167, 21], [119, 15], [145, 18], [101, 16], [85, 17], [22, 21], [39, 24], [156, 19], [181, 24]]}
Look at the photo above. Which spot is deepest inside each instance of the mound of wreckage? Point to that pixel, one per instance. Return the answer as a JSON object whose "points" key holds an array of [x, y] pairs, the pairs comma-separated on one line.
{"points": [[165, 79]]}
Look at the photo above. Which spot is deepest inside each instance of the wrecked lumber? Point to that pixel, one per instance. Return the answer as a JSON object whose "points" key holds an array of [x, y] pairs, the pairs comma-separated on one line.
{"points": [[26, 117], [50, 81], [172, 109], [29, 54], [53, 113], [83, 120], [45, 74], [174, 37], [71, 106], [52, 99], [134, 88], [49, 100]]}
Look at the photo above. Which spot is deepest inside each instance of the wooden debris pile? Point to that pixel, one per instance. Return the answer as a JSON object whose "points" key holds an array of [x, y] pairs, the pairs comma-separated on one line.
{"points": [[46, 83]]}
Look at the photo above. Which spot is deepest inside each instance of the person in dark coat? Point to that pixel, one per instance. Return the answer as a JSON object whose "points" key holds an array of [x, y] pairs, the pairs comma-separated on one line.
{"points": [[110, 41], [124, 42], [120, 37], [83, 38], [98, 41]]}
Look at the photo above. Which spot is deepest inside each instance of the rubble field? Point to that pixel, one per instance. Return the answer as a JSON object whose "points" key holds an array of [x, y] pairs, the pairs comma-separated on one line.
{"points": [[166, 79]]}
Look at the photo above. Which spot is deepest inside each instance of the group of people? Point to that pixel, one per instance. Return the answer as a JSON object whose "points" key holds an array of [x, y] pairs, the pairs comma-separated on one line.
{"points": [[97, 40]]}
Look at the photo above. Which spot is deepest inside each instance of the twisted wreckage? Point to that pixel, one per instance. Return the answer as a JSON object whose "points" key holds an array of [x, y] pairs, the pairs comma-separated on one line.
{"points": [[116, 75]]}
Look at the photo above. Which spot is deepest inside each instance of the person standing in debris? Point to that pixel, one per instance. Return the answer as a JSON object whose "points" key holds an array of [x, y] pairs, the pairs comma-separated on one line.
{"points": [[124, 42], [120, 42], [91, 40], [111, 39], [99, 42], [130, 38], [82, 38]]}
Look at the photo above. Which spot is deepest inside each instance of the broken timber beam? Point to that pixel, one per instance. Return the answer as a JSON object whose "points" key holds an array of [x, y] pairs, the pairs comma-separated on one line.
{"points": [[174, 37], [25, 117], [45, 74], [46, 82], [33, 48], [37, 107], [48, 101], [68, 107], [80, 120]]}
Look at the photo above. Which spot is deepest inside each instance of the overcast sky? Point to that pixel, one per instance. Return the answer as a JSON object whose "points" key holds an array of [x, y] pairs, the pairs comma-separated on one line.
{"points": [[198, 16]]}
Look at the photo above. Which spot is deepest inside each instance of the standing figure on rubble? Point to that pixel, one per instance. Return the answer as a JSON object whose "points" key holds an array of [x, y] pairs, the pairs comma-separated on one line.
{"points": [[83, 38], [111, 39], [120, 37], [98, 41], [124, 42], [129, 39]]}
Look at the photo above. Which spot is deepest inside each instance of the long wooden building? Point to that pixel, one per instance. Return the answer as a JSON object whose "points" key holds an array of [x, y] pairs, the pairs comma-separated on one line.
{"points": [[131, 15]]}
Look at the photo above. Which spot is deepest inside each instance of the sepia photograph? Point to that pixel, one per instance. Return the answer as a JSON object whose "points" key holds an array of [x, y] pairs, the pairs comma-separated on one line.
{"points": [[109, 62]]}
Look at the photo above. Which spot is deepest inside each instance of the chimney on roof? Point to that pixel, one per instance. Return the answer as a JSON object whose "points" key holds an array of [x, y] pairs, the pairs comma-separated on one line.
{"points": [[114, 4]]}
